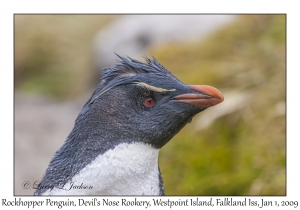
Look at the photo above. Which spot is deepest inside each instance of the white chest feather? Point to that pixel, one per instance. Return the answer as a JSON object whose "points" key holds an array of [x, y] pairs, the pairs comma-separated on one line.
{"points": [[128, 169]]}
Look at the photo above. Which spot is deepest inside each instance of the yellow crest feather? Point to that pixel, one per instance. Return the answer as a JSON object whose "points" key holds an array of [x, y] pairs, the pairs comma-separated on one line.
{"points": [[153, 88]]}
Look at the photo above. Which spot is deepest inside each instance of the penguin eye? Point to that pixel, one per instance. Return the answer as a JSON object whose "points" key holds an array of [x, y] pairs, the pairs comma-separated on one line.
{"points": [[149, 102]]}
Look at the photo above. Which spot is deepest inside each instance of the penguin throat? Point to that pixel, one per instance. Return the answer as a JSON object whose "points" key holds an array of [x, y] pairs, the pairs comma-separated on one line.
{"points": [[127, 169]]}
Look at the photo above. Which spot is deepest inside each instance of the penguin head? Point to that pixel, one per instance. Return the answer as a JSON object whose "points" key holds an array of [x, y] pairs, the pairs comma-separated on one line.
{"points": [[143, 102]]}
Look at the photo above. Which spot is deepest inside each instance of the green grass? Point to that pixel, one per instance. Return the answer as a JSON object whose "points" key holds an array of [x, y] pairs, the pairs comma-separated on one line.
{"points": [[53, 54]]}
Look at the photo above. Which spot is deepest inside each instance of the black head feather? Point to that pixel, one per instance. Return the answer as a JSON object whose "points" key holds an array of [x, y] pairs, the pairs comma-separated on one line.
{"points": [[127, 67], [124, 71]]}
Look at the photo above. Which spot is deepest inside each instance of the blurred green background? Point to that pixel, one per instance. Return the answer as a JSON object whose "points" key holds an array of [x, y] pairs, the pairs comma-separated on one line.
{"points": [[235, 148]]}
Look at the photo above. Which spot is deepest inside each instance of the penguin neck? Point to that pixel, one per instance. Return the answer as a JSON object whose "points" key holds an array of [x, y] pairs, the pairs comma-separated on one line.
{"points": [[126, 169]]}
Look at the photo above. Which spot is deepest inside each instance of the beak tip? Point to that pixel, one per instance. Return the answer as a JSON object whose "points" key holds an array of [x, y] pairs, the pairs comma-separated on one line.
{"points": [[221, 97]]}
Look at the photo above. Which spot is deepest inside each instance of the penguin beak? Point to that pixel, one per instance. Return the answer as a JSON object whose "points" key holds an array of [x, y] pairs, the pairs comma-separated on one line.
{"points": [[208, 96]]}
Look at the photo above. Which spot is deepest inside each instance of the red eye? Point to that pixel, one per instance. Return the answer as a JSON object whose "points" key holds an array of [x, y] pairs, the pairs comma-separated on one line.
{"points": [[149, 102]]}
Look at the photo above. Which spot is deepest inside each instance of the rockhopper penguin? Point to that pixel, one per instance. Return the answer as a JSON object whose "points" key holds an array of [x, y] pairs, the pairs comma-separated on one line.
{"points": [[113, 148]]}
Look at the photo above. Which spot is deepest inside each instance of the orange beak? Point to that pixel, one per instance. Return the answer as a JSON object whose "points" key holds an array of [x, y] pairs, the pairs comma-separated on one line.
{"points": [[209, 96]]}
